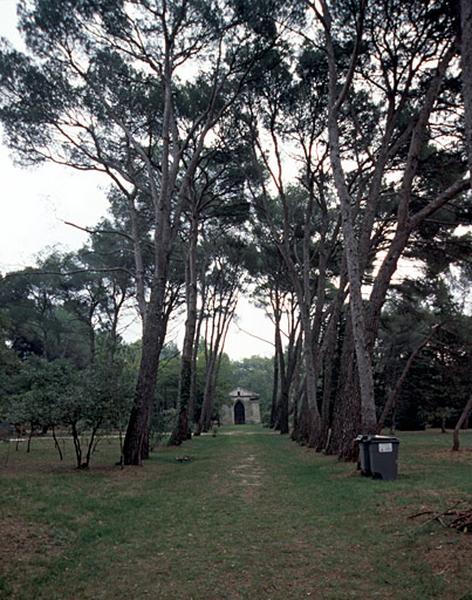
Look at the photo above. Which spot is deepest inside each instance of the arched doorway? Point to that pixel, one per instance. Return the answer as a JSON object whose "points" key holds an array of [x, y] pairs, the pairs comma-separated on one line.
{"points": [[239, 413]]}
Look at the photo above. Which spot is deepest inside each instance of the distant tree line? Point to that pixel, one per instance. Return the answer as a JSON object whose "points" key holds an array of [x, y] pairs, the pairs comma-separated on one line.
{"points": [[300, 150], [65, 368]]}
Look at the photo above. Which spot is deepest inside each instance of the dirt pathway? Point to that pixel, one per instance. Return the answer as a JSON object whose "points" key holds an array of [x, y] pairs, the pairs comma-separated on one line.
{"points": [[249, 474]]}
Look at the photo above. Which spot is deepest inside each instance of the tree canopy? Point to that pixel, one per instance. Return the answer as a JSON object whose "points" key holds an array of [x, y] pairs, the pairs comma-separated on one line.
{"points": [[299, 153]]}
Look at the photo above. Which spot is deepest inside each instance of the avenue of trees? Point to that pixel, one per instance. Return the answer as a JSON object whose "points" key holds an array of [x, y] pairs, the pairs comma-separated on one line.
{"points": [[303, 152]]}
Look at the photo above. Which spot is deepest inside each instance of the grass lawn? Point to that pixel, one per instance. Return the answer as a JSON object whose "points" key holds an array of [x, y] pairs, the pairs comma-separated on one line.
{"points": [[250, 516]]}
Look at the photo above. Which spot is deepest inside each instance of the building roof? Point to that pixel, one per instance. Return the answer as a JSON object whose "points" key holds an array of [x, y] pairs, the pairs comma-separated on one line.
{"points": [[240, 392]]}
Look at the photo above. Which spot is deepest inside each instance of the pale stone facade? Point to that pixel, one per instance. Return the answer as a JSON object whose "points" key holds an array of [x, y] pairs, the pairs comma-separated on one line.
{"points": [[242, 407]]}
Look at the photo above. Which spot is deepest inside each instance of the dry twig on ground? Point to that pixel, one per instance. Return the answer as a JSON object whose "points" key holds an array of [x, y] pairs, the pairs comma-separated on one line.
{"points": [[460, 519]]}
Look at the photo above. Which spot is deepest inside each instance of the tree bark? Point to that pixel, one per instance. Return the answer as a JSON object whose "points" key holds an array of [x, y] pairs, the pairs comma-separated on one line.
{"points": [[351, 250], [56, 443], [136, 438], [276, 361], [347, 410], [329, 357], [280, 413], [138, 257], [275, 391], [136, 444], [311, 379], [304, 419], [207, 404], [460, 422], [283, 397], [220, 325], [193, 379], [181, 429], [466, 55]]}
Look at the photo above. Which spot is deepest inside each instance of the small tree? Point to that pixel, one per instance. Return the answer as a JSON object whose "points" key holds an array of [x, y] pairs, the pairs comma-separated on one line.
{"points": [[38, 403]]}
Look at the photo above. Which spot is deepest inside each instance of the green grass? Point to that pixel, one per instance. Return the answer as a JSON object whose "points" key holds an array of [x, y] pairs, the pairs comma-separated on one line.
{"points": [[251, 516]]}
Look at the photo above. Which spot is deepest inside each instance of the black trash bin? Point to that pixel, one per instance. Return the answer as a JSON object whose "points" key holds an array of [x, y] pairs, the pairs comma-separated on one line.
{"points": [[383, 456], [378, 456], [364, 459]]}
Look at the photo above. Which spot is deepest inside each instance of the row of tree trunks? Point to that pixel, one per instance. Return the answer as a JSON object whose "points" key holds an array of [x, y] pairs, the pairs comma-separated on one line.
{"points": [[346, 421], [356, 394], [364, 326], [466, 64], [221, 308], [170, 186]]}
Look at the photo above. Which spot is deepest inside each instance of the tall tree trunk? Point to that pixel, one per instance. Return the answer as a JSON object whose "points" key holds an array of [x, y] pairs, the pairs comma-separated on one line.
{"points": [[275, 392], [135, 446], [346, 422], [56, 443], [313, 415], [329, 359], [466, 62], [281, 421], [298, 433], [92, 340], [328, 377], [460, 422], [193, 379], [295, 410], [288, 369], [443, 421], [363, 358], [138, 257], [208, 396], [276, 363], [181, 429], [304, 419], [28, 445], [216, 355]]}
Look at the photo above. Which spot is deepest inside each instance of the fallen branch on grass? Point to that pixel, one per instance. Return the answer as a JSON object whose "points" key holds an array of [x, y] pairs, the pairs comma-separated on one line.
{"points": [[463, 522], [451, 517]]}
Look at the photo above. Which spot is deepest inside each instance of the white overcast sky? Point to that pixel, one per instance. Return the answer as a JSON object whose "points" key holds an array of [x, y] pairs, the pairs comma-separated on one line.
{"points": [[35, 202]]}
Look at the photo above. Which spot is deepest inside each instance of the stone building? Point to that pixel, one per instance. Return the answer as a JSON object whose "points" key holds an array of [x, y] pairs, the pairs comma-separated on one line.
{"points": [[242, 407]]}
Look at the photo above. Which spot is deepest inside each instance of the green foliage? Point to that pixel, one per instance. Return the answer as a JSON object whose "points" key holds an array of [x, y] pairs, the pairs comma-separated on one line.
{"points": [[168, 380], [43, 391], [109, 384], [9, 364], [224, 383], [89, 92], [55, 394], [438, 383]]}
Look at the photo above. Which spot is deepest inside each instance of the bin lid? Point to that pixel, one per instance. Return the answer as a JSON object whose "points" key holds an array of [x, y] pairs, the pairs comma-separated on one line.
{"points": [[381, 439]]}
